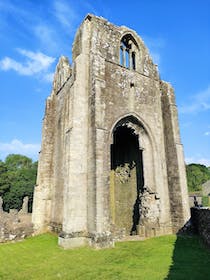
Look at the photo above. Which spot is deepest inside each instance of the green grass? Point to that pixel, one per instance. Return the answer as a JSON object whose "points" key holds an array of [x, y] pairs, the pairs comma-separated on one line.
{"points": [[167, 257]]}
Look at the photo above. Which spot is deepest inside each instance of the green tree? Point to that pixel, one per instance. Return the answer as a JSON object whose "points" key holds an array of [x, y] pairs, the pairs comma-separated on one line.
{"points": [[197, 174], [4, 180], [16, 161], [17, 180]]}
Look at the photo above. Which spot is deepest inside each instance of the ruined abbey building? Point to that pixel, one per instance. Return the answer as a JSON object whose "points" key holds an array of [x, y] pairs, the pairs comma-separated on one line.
{"points": [[111, 162]]}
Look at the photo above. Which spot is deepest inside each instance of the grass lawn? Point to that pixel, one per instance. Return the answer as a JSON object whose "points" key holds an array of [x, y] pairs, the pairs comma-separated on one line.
{"points": [[167, 257]]}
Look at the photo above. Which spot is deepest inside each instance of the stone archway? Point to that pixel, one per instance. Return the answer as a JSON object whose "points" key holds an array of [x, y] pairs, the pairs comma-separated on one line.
{"points": [[127, 175]]}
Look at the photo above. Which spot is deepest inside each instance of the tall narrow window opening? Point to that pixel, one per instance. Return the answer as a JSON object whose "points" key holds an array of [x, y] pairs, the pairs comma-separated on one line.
{"points": [[128, 49], [133, 60]]}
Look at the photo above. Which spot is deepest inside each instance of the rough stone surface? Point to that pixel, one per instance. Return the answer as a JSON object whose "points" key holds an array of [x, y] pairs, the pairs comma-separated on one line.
{"points": [[73, 242], [1, 204], [111, 162], [200, 218], [15, 225], [206, 188]]}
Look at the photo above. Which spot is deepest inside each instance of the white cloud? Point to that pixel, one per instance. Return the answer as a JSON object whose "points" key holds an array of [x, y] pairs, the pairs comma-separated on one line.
{"points": [[35, 62], [47, 37], [199, 102], [48, 77], [18, 147], [207, 133], [65, 14], [200, 160]]}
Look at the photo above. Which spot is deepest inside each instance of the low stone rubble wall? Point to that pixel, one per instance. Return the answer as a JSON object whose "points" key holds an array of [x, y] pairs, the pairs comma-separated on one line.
{"points": [[201, 222], [15, 225]]}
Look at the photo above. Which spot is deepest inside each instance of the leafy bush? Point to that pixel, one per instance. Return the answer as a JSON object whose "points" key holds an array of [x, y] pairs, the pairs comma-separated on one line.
{"points": [[205, 201], [197, 174], [17, 180]]}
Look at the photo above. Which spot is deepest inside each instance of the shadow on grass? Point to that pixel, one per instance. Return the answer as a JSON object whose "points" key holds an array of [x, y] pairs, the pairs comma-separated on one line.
{"points": [[191, 260]]}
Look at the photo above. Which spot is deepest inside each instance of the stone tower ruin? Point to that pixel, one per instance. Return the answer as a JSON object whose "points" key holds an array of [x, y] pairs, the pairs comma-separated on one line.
{"points": [[111, 162]]}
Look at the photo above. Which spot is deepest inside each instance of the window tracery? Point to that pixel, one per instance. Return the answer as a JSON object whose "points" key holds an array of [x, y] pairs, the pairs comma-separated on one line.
{"points": [[128, 49]]}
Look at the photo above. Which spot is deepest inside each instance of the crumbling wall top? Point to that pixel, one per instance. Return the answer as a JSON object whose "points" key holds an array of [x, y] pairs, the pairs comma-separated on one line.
{"points": [[62, 74], [105, 40]]}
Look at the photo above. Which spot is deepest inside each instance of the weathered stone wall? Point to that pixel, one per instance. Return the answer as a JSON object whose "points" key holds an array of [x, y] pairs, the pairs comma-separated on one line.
{"points": [[201, 223], [176, 175], [15, 225], [206, 188], [124, 200], [78, 192], [119, 93]]}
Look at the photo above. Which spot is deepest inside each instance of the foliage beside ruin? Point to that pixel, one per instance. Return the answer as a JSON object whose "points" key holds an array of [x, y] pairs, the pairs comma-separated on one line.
{"points": [[167, 257], [18, 177], [17, 180], [197, 174], [206, 201]]}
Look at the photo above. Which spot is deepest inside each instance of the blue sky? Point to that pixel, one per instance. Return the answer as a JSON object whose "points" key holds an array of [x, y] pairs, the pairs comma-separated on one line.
{"points": [[33, 34]]}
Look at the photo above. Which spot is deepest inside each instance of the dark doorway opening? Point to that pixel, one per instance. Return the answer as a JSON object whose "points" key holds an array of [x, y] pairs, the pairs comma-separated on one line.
{"points": [[125, 152]]}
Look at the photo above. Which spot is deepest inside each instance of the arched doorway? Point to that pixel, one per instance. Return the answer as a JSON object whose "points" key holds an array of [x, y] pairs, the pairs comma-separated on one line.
{"points": [[127, 177]]}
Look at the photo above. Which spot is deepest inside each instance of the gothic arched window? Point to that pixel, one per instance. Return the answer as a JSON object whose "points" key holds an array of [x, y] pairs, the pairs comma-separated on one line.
{"points": [[128, 49]]}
